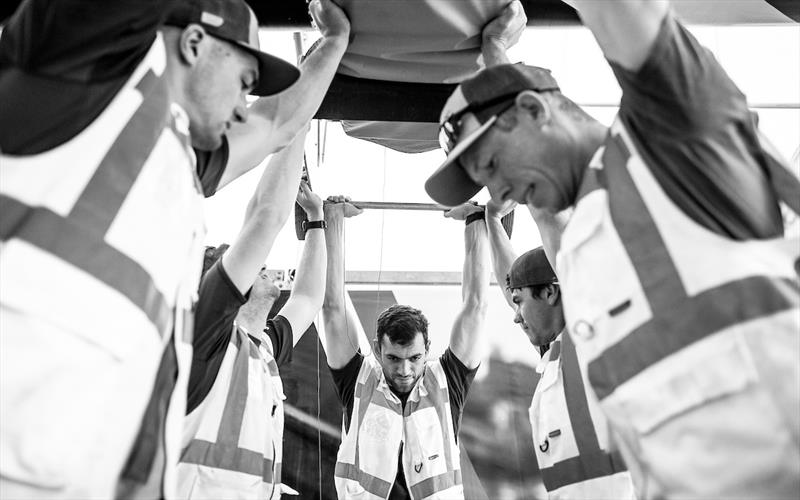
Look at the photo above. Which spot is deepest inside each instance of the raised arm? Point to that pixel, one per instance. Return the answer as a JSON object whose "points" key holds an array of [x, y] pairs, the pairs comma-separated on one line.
{"points": [[273, 121], [625, 29], [502, 33], [339, 321], [468, 336], [309, 284], [551, 227], [266, 213], [503, 255]]}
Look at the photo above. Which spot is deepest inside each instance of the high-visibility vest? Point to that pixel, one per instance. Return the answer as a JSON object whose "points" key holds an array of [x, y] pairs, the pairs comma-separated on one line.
{"points": [[366, 465], [102, 244], [662, 310], [570, 433], [234, 438]]}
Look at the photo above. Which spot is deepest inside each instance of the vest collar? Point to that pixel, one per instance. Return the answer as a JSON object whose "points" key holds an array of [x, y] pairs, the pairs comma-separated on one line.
{"points": [[417, 392], [553, 354]]}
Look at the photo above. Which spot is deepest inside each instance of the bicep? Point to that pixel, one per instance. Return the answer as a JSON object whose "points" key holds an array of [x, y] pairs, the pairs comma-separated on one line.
{"points": [[250, 143], [300, 313], [465, 336], [625, 29]]}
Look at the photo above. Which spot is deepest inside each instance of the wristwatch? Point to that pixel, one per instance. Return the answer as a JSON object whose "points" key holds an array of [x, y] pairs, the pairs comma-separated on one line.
{"points": [[313, 224]]}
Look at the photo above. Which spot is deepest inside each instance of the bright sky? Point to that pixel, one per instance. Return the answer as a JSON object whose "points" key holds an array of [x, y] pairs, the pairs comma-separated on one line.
{"points": [[763, 60]]}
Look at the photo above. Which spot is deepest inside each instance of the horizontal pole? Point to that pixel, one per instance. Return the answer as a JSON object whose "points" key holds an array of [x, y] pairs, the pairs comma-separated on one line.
{"points": [[390, 205]]}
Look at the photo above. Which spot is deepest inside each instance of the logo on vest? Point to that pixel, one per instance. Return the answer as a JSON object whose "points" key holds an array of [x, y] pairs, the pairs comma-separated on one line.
{"points": [[418, 467]]}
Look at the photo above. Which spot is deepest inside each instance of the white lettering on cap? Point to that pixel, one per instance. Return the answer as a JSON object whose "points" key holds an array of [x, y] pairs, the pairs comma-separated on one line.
{"points": [[211, 19]]}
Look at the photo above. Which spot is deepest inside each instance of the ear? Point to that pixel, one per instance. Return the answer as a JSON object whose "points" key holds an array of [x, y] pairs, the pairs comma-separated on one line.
{"points": [[376, 346], [427, 346], [533, 103], [191, 43], [553, 294]]}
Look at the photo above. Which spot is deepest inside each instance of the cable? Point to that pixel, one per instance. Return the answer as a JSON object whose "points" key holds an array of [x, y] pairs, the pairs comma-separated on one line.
{"points": [[383, 220]]}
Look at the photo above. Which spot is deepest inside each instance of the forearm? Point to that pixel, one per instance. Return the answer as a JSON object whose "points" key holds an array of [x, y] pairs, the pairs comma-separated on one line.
{"points": [[341, 333], [493, 54], [309, 284], [276, 191], [625, 29], [468, 339], [266, 214], [503, 255], [292, 109]]}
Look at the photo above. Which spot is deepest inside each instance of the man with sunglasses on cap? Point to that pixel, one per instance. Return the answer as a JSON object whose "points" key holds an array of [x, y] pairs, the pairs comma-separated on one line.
{"points": [[680, 291], [571, 436], [102, 103]]}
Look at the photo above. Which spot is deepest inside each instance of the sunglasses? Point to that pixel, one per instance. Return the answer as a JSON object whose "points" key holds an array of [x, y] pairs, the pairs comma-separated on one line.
{"points": [[450, 129]]}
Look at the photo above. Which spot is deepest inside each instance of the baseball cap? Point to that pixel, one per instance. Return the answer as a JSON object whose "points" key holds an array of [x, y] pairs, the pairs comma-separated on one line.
{"points": [[486, 95], [530, 269], [235, 22]]}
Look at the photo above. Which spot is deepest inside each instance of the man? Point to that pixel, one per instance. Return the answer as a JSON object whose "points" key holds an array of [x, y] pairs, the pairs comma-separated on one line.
{"points": [[679, 290], [234, 431], [274, 120], [102, 227], [402, 412], [570, 433]]}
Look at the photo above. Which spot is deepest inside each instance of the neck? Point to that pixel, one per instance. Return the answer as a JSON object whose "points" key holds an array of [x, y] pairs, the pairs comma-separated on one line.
{"points": [[253, 315], [592, 134]]}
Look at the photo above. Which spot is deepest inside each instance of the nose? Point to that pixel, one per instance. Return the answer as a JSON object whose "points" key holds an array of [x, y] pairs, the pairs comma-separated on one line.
{"points": [[404, 370], [499, 191], [517, 316], [240, 111]]}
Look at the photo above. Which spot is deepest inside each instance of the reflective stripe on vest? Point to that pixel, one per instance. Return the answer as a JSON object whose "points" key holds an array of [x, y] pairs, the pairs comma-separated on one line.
{"points": [[369, 393], [78, 238], [672, 308], [225, 453], [592, 461]]}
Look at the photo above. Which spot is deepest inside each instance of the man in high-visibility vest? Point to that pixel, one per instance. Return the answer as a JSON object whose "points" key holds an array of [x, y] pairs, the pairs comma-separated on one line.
{"points": [[402, 411], [101, 222], [572, 439], [232, 445], [680, 292]]}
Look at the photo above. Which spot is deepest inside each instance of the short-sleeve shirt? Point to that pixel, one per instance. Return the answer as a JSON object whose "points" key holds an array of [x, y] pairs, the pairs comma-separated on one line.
{"points": [[217, 306], [695, 132], [63, 61], [459, 379]]}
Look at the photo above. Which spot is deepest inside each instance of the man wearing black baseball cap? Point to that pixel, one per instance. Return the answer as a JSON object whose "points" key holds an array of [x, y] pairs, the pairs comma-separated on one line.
{"points": [[562, 411], [663, 264], [272, 121]]}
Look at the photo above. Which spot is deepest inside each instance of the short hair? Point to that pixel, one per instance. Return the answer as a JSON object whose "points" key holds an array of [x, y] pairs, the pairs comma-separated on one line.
{"points": [[401, 324], [212, 255]]}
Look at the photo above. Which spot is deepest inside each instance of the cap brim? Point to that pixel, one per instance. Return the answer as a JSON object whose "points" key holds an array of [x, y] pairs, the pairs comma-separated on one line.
{"points": [[451, 185], [274, 74]]}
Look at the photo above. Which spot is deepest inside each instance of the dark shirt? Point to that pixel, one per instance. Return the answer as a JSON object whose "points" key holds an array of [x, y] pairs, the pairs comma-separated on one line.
{"points": [[63, 61], [694, 131], [217, 306], [459, 379]]}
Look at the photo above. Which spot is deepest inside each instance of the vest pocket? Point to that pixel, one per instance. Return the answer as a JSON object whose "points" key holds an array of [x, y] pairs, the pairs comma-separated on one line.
{"points": [[679, 384]]}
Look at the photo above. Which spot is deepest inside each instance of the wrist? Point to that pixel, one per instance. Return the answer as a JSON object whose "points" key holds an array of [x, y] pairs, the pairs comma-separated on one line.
{"points": [[338, 40], [473, 217], [316, 214]]}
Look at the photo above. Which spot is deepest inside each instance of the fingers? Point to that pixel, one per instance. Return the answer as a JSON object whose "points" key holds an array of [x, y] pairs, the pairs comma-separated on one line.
{"points": [[339, 199]]}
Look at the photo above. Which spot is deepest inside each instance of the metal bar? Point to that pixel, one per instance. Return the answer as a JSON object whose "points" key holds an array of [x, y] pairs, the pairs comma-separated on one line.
{"points": [[390, 205]]}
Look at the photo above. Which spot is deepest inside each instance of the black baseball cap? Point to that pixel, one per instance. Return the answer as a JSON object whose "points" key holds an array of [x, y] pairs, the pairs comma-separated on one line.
{"points": [[487, 94], [530, 269], [235, 22]]}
